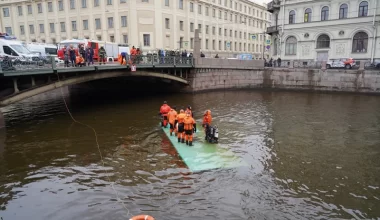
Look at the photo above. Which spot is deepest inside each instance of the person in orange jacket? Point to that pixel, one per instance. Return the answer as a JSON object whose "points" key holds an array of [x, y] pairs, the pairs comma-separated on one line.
{"points": [[172, 116], [190, 127], [164, 110], [188, 110], [207, 119], [79, 61], [180, 126]]}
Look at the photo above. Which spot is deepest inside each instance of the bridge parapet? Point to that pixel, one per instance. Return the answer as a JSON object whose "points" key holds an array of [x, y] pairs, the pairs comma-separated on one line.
{"points": [[50, 63]]}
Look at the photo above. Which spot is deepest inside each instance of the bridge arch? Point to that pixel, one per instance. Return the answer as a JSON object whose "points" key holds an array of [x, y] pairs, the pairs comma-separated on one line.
{"points": [[82, 78]]}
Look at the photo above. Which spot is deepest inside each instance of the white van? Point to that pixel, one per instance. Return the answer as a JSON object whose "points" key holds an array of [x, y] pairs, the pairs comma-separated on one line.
{"points": [[42, 49], [16, 50]]}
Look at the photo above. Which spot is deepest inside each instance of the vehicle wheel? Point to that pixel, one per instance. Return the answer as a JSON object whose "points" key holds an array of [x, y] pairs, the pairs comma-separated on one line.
{"points": [[348, 66], [328, 66]]}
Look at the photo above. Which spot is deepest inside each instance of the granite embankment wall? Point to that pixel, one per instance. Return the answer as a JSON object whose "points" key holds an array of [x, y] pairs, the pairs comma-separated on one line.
{"points": [[241, 75]]}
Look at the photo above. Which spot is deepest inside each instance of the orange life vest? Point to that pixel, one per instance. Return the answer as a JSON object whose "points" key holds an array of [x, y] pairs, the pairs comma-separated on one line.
{"points": [[172, 115], [189, 123], [181, 117]]}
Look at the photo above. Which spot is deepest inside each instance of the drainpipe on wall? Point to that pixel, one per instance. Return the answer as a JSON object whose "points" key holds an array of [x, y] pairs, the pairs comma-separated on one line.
{"points": [[374, 33], [282, 29]]}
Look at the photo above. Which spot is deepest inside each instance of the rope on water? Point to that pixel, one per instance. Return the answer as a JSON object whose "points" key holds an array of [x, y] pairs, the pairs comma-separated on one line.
{"points": [[97, 144]]}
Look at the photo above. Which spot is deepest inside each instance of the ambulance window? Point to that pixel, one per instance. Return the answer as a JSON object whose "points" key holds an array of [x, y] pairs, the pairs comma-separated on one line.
{"points": [[9, 51]]}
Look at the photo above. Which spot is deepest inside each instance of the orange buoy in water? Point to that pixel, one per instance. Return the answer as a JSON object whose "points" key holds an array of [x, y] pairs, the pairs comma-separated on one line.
{"points": [[142, 217]]}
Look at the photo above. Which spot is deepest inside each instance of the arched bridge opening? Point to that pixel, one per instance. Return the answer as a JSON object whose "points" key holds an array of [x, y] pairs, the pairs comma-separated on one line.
{"points": [[18, 87]]}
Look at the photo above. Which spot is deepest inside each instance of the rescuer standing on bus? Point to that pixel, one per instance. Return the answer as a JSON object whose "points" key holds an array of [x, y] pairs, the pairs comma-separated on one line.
{"points": [[190, 127], [172, 116]]}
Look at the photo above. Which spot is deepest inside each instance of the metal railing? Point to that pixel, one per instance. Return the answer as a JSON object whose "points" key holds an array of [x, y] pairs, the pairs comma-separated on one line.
{"points": [[35, 63], [272, 29]]}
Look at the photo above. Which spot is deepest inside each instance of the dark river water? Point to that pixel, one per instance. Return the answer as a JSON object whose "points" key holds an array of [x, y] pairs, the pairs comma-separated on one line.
{"points": [[310, 156]]}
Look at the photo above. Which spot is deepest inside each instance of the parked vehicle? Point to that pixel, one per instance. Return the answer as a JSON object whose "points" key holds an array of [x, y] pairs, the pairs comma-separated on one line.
{"points": [[347, 63], [17, 52], [45, 51], [376, 63]]}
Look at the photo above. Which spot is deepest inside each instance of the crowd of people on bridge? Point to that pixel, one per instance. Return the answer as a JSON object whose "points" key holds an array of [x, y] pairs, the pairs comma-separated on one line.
{"points": [[85, 57], [182, 124]]}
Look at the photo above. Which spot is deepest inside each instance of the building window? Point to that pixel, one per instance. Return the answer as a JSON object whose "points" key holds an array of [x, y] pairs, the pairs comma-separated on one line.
{"points": [[200, 9], [97, 23], [85, 24], [180, 4], [220, 31], [200, 28], [50, 6], [19, 8], [323, 41], [167, 3], [360, 42], [63, 27], [220, 14], [22, 30], [213, 30], [230, 33], [6, 12], [191, 7], [292, 17], [307, 16], [291, 46], [225, 16], [112, 38], [146, 38], [343, 11], [213, 44], [363, 9], [225, 32], [206, 44], [109, 2], [147, 1], [235, 33], [213, 13], [325, 13], [181, 25], [30, 9], [124, 21], [74, 25], [42, 29], [52, 28], [96, 3], [60, 5], [206, 11], [220, 45], [84, 3], [125, 38], [8, 30], [191, 27], [207, 29], [110, 22], [72, 4], [39, 7], [31, 29], [167, 23], [123, 1], [191, 43]]}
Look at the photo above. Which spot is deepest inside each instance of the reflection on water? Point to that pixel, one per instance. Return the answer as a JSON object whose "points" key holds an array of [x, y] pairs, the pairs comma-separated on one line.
{"points": [[310, 156]]}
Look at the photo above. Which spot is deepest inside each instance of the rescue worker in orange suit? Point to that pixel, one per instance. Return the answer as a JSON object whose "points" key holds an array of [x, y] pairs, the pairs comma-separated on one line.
{"points": [[172, 116], [190, 127], [188, 110], [180, 126], [207, 119], [164, 110]]}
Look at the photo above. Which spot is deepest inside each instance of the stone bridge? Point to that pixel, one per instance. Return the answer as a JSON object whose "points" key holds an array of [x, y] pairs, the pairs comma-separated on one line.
{"points": [[29, 79]]}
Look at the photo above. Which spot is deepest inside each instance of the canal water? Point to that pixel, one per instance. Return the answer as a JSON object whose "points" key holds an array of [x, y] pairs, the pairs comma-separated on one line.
{"points": [[309, 156]]}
